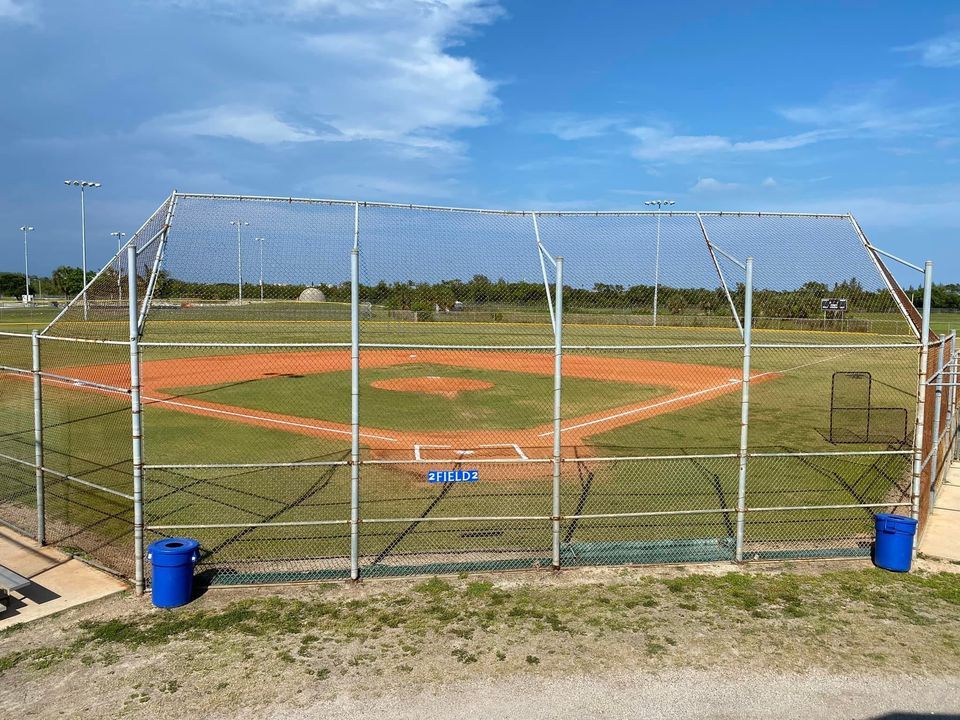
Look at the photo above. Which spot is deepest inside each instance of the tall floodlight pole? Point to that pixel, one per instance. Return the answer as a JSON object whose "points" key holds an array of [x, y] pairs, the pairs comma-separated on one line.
{"points": [[656, 263], [119, 236], [26, 265], [260, 241], [239, 224], [83, 185]]}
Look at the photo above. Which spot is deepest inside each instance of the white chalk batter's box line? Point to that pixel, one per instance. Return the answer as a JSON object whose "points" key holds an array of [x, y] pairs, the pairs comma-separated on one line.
{"points": [[465, 453]]}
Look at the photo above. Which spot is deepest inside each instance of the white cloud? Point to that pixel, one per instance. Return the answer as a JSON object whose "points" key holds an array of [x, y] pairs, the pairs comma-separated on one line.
{"points": [[867, 113], [938, 52], [768, 182], [18, 11], [709, 184], [570, 126], [368, 70], [895, 206], [660, 143], [242, 123]]}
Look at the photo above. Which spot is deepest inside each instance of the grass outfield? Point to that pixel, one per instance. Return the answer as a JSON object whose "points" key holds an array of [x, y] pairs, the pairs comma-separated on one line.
{"points": [[87, 435]]}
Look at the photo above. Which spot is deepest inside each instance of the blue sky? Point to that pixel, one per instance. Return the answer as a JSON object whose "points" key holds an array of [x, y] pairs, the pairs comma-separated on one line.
{"points": [[812, 106]]}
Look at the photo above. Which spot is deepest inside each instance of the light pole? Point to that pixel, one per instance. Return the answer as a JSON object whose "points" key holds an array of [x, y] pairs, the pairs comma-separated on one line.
{"points": [[239, 224], [83, 185], [119, 236], [656, 262], [26, 266], [260, 241]]}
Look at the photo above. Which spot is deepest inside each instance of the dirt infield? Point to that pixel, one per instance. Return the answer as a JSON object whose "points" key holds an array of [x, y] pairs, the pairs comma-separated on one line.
{"points": [[432, 385], [691, 384]]}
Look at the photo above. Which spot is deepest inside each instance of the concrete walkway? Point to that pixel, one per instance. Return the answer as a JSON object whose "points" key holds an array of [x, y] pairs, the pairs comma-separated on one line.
{"points": [[941, 539], [58, 582]]}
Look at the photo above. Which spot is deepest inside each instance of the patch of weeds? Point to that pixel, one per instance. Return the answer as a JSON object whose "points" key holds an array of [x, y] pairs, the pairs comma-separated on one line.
{"points": [[286, 656], [43, 658], [556, 624], [462, 632], [11, 661], [464, 656], [405, 668], [221, 685], [501, 655], [169, 687], [359, 659], [655, 648], [533, 660], [323, 673], [140, 697], [478, 588], [434, 587]]}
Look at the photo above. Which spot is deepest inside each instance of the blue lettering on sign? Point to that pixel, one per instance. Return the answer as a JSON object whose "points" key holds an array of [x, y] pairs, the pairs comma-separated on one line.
{"points": [[446, 476]]}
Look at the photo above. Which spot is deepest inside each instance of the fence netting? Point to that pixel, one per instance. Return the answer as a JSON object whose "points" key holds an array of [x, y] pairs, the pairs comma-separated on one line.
{"points": [[423, 367]]}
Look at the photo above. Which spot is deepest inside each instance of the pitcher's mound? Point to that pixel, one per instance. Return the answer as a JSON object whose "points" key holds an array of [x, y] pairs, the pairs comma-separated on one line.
{"points": [[447, 387]]}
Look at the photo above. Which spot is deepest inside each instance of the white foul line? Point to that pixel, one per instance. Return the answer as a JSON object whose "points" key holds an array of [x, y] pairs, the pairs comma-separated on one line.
{"points": [[639, 410], [691, 395], [270, 420]]}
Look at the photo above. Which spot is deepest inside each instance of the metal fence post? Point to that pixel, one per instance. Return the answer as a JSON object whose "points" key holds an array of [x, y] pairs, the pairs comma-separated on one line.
{"points": [[355, 398], [937, 406], [38, 439], [136, 419], [744, 407], [921, 396], [557, 390], [952, 405]]}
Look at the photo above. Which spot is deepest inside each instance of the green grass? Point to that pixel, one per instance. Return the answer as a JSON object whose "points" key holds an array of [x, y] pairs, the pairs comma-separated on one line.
{"points": [[516, 400], [88, 435], [828, 620]]}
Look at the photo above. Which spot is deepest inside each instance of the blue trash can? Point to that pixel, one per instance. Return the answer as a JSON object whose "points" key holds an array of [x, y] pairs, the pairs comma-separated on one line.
{"points": [[894, 546], [172, 561]]}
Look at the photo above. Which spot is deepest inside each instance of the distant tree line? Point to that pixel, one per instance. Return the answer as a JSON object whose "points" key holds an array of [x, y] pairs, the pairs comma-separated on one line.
{"points": [[65, 281], [481, 291], [943, 296]]}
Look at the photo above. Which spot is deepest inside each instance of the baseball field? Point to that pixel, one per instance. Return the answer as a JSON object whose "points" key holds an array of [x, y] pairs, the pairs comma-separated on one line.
{"points": [[247, 446]]}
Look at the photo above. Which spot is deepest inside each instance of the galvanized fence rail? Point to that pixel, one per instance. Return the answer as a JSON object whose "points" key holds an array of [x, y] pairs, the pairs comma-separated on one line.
{"points": [[509, 495]]}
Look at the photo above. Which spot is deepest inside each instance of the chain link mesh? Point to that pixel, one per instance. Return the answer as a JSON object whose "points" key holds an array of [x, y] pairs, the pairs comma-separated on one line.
{"points": [[17, 479], [247, 381]]}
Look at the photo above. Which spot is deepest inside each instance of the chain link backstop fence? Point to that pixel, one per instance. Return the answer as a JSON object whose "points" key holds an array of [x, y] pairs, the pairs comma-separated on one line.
{"points": [[325, 389]]}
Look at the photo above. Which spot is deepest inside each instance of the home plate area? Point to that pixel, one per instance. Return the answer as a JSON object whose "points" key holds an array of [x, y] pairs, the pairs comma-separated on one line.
{"points": [[447, 453]]}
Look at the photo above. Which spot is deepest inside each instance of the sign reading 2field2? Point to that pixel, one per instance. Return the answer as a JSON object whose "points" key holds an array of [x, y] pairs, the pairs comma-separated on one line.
{"points": [[447, 476]]}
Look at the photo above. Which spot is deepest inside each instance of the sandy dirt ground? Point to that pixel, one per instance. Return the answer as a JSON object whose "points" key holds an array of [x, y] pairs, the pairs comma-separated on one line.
{"points": [[823, 640]]}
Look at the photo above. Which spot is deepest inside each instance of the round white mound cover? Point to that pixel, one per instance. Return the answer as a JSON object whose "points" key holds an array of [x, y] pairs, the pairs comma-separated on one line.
{"points": [[312, 294]]}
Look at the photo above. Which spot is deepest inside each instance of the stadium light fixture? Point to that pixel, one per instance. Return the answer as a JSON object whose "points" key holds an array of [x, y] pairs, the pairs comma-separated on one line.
{"points": [[656, 263], [260, 242], [119, 236], [239, 223], [83, 185], [26, 266]]}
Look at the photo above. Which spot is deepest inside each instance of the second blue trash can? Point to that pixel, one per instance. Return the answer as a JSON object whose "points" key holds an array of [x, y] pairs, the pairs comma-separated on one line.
{"points": [[172, 561], [894, 546]]}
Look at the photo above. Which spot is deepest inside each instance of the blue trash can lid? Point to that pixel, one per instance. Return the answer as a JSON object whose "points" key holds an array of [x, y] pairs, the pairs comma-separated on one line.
{"points": [[891, 517], [173, 546]]}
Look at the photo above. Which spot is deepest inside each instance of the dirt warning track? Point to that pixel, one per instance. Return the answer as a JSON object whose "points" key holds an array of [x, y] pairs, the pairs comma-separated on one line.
{"points": [[687, 385]]}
